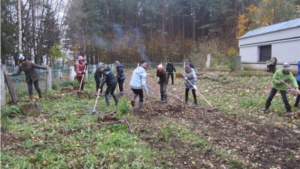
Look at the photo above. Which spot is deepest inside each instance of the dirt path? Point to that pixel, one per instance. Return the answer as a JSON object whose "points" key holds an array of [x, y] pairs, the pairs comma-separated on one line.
{"points": [[235, 141]]}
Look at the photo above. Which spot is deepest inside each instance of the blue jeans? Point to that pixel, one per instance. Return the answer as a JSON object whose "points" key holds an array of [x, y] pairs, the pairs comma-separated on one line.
{"points": [[284, 98]]}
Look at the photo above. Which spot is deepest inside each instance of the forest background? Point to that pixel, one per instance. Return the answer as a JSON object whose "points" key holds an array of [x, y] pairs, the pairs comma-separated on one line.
{"points": [[134, 30]]}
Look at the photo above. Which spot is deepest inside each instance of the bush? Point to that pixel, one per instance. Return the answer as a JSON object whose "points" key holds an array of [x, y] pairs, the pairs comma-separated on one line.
{"points": [[123, 106], [68, 83], [10, 111], [54, 86]]}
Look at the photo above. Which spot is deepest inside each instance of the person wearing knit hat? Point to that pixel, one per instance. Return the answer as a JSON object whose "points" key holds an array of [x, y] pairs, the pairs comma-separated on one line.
{"points": [[169, 69], [32, 77], [279, 80], [80, 67], [191, 83], [111, 82], [120, 76], [98, 76], [163, 81]]}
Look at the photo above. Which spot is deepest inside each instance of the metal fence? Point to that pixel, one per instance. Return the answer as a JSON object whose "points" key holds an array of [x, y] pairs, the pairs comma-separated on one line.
{"points": [[62, 74]]}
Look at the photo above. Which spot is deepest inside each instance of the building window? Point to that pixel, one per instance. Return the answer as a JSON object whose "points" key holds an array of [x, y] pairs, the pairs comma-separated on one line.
{"points": [[264, 53]]}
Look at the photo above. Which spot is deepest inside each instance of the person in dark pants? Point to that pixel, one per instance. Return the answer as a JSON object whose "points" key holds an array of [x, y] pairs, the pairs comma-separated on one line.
{"points": [[280, 77], [98, 76], [138, 83], [31, 75], [80, 66], [298, 81], [111, 82], [271, 65], [163, 81], [120, 75], [170, 68], [191, 83]]}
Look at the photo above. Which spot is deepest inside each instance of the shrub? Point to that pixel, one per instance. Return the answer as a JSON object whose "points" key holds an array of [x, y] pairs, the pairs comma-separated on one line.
{"points": [[10, 111], [123, 106]]}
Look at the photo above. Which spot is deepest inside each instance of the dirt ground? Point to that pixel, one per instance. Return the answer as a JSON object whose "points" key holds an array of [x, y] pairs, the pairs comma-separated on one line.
{"points": [[254, 142], [238, 141]]}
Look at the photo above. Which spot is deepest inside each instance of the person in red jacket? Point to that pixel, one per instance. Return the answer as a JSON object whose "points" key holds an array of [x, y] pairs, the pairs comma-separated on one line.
{"points": [[163, 81], [80, 67]]}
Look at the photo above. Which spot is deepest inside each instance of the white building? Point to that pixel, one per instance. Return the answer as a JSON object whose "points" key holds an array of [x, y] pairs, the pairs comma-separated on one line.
{"points": [[280, 40]]}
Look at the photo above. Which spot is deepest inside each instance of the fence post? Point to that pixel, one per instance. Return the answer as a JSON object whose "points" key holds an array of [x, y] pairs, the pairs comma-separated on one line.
{"points": [[238, 62], [2, 88], [86, 76], [208, 60], [48, 79], [94, 68], [71, 73]]}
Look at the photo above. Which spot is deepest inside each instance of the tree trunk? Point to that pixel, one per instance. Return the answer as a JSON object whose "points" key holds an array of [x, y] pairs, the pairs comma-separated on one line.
{"points": [[19, 26]]}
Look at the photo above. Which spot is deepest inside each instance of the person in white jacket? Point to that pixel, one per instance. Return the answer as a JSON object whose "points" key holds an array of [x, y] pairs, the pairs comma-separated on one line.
{"points": [[138, 83], [190, 83]]}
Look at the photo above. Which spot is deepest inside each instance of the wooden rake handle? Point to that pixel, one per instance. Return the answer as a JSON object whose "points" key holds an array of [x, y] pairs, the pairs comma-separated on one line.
{"points": [[198, 92], [82, 78]]}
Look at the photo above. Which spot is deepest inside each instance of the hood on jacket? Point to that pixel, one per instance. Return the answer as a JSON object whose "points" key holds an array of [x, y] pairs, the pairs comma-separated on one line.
{"points": [[119, 64], [80, 58]]}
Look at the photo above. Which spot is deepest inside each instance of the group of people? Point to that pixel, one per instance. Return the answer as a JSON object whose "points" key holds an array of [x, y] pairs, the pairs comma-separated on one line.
{"points": [[104, 75]]}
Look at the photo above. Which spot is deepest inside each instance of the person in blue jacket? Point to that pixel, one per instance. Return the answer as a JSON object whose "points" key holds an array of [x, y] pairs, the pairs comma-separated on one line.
{"points": [[298, 81], [120, 75], [138, 83]]}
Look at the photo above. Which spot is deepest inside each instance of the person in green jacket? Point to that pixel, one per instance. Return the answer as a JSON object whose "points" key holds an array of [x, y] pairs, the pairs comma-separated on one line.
{"points": [[280, 77]]}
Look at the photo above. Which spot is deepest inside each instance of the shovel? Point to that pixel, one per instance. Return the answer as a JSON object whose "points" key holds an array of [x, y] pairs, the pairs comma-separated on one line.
{"points": [[212, 107], [82, 79]]}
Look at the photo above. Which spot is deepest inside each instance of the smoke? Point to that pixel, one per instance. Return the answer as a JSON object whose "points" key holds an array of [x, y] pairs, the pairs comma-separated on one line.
{"points": [[124, 40]]}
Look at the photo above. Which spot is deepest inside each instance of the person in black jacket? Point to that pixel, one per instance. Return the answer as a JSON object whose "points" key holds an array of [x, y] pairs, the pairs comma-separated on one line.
{"points": [[170, 68], [120, 75], [191, 65], [111, 82], [98, 76]]}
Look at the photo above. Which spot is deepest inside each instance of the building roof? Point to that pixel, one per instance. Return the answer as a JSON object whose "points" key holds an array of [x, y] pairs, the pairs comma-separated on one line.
{"points": [[272, 28]]}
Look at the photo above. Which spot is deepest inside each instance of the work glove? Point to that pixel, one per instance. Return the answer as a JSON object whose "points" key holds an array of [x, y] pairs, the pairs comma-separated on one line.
{"points": [[185, 78], [195, 87], [47, 66], [82, 73], [280, 81]]}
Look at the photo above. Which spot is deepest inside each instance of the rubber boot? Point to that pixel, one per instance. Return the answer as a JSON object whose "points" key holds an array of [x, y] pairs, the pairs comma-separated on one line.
{"points": [[161, 97], [195, 104], [40, 95], [186, 100], [133, 100], [107, 102], [116, 100], [141, 106], [165, 98]]}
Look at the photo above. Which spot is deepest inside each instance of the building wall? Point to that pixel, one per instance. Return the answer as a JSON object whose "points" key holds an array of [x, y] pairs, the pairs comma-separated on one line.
{"points": [[285, 47], [267, 38]]}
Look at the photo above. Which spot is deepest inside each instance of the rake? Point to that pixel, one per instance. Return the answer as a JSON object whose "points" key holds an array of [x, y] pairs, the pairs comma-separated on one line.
{"points": [[181, 75]]}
